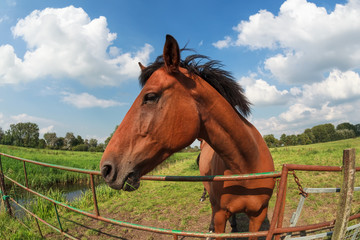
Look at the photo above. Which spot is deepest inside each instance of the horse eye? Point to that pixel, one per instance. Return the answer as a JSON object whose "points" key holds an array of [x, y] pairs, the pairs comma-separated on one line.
{"points": [[151, 98]]}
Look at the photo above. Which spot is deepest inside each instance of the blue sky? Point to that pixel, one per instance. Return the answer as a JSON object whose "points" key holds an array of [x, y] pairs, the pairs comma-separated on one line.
{"points": [[71, 66]]}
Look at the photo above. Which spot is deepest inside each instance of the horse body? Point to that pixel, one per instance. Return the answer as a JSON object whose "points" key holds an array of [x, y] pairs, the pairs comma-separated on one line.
{"points": [[179, 103], [230, 197]]}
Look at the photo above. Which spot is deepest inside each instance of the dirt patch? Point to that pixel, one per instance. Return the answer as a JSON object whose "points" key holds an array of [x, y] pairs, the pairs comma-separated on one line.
{"points": [[87, 228]]}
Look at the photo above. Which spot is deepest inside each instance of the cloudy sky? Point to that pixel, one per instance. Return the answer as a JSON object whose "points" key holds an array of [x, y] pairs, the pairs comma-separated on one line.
{"points": [[71, 66]]}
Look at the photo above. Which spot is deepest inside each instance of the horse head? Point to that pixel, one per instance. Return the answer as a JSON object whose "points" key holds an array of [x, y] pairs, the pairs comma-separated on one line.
{"points": [[162, 120]]}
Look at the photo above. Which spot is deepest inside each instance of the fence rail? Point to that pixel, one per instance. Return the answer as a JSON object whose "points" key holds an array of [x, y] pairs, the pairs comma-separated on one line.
{"points": [[276, 228]]}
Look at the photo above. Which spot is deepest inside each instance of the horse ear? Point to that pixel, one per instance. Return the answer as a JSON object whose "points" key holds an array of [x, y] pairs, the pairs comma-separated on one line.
{"points": [[171, 54], [142, 67]]}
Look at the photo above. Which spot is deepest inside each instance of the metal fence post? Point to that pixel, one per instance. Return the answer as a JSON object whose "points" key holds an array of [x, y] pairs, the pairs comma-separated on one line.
{"points": [[5, 197], [346, 194]]}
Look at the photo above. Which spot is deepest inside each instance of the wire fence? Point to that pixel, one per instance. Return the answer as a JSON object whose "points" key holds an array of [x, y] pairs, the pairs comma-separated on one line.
{"points": [[276, 228]]}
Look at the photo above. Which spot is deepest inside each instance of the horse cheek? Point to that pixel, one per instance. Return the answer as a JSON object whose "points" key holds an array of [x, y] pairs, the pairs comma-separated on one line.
{"points": [[185, 126]]}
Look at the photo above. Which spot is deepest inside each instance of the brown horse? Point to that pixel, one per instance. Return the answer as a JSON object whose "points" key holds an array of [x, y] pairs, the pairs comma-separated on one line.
{"points": [[228, 198], [182, 100]]}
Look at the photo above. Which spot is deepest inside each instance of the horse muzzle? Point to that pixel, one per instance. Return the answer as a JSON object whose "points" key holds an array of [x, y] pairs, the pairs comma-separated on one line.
{"points": [[127, 181]]}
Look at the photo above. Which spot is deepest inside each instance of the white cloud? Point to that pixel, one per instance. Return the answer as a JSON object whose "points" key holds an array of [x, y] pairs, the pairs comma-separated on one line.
{"points": [[334, 100], [339, 86], [223, 43], [3, 18], [65, 42], [309, 41], [86, 100], [47, 129], [23, 117], [260, 93]]}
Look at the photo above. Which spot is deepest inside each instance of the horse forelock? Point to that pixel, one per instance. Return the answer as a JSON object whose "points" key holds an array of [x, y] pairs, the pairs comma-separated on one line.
{"points": [[211, 71]]}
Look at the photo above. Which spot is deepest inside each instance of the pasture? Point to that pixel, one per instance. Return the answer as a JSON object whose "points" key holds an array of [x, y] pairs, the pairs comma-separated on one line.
{"points": [[166, 204]]}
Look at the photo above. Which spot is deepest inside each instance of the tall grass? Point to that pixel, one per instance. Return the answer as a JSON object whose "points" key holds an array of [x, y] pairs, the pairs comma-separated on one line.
{"points": [[43, 177]]}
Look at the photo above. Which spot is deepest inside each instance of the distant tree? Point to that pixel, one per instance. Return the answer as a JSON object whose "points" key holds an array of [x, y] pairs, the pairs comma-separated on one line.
{"points": [[81, 147], [59, 144], [1, 135], [344, 134], [357, 129], [42, 143], [324, 132], [282, 139], [303, 139], [100, 147], [288, 140], [311, 136], [25, 134], [345, 125], [80, 140], [7, 138], [271, 141], [69, 140], [292, 140], [50, 139], [93, 142]]}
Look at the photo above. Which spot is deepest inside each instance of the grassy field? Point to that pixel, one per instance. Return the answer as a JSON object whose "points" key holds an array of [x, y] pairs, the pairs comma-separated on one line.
{"points": [[43, 177], [172, 204]]}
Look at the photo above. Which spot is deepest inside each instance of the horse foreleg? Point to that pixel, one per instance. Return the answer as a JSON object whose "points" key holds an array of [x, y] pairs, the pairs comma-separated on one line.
{"points": [[256, 220], [218, 222], [220, 218], [212, 226]]}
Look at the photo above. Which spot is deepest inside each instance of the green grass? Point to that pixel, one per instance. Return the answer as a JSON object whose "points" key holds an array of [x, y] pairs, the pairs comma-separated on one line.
{"points": [[318, 207], [174, 204], [44, 177]]}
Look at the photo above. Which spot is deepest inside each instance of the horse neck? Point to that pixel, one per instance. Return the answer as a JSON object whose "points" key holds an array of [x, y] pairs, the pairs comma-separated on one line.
{"points": [[238, 143]]}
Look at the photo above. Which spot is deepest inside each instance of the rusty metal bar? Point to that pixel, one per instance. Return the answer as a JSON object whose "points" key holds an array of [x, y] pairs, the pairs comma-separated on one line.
{"points": [[79, 170], [160, 178], [279, 200], [300, 167], [216, 178], [25, 174], [5, 197], [94, 194], [38, 226], [282, 210]]}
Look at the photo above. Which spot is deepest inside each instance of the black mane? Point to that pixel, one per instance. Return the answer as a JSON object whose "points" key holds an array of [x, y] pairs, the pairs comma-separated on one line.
{"points": [[212, 73]]}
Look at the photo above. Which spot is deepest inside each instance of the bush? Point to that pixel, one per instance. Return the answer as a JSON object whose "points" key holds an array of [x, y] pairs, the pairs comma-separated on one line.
{"points": [[81, 147]]}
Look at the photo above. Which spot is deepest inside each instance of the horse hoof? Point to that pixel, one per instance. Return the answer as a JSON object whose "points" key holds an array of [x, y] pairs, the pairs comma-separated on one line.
{"points": [[202, 199]]}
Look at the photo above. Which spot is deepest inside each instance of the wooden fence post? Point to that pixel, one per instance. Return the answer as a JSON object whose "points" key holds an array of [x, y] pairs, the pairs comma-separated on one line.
{"points": [[346, 194], [4, 195]]}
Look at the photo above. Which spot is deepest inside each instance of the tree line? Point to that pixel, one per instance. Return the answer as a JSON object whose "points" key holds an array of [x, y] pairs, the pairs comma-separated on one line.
{"points": [[317, 134], [27, 135]]}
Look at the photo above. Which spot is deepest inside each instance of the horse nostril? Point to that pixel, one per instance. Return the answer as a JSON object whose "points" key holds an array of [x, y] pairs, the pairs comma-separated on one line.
{"points": [[107, 172]]}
